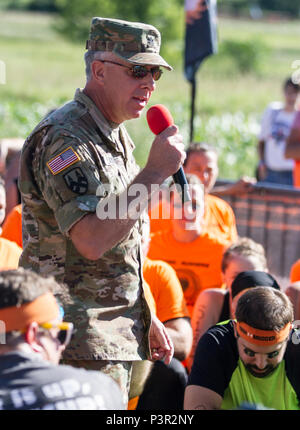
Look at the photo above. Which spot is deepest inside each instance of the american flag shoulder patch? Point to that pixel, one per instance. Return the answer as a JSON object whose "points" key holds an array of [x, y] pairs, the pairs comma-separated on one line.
{"points": [[63, 160]]}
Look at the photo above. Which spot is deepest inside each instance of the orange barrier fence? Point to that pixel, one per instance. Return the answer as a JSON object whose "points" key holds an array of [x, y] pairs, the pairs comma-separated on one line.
{"points": [[270, 215]]}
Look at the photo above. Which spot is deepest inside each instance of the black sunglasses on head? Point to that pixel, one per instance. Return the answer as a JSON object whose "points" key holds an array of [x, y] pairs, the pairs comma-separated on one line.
{"points": [[139, 72]]}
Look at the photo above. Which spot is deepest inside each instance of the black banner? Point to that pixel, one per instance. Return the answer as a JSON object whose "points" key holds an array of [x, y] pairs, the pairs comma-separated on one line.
{"points": [[201, 34]]}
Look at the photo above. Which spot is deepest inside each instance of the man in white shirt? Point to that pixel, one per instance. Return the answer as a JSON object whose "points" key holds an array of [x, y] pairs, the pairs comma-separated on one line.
{"points": [[275, 128]]}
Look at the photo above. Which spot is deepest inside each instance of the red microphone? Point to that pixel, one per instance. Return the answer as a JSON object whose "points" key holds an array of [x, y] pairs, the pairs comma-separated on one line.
{"points": [[159, 118]]}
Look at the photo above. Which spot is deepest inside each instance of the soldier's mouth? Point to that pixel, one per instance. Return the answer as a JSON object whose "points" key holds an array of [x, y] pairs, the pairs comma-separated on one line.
{"points": [[141, 100]]}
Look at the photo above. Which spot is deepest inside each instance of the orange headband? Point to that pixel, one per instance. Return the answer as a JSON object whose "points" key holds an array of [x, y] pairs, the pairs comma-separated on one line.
{"points": [[42, 309], [262, 337]]}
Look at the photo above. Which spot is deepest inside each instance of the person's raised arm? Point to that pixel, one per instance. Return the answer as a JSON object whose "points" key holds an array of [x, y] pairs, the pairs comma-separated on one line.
{"points": [[92, 236], [242, 186], [261, 167]]}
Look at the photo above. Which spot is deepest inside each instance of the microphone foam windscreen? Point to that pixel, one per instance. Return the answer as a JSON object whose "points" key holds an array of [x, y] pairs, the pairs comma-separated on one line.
{"points": [[159, 118]]}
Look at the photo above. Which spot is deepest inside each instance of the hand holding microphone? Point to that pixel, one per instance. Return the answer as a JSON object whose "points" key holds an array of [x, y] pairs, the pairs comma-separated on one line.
{"points": [[159, 119]]}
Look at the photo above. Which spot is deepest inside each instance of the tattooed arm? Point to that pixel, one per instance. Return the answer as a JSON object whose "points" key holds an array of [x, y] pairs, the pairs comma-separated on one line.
{"points": [[201, 398]]}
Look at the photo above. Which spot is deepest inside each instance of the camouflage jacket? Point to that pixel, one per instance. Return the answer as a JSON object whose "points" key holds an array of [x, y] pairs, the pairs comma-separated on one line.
{"points": [[64, 160]]}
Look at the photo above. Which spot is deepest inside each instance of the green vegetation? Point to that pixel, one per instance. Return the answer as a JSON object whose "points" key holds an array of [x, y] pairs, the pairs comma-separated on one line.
{"points": [[43, 70], [290, 8], [74, 16]]}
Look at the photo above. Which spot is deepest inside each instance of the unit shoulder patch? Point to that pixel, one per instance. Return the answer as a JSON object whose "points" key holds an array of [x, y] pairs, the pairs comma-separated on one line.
{"points": [[76, 181]]}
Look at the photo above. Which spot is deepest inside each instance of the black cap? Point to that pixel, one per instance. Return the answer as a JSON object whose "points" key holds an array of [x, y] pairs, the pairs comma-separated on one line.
{"points": [[251, 279]]}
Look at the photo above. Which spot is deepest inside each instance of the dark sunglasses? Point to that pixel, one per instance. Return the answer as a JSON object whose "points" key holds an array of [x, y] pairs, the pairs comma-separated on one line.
{"points": [[139, 72]]}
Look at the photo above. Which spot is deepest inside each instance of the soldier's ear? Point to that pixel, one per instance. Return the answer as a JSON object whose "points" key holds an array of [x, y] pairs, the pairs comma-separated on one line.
{"points": [[97, 69]]}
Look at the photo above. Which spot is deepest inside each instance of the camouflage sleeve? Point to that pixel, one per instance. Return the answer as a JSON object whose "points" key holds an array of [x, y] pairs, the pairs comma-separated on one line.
{"points": [[68, 175]]}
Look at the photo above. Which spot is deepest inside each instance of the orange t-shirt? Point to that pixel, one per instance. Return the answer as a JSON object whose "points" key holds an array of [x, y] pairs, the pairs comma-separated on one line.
{"points": [[295, 272], [164, 296], [166, 290], [157, 217], [132, 403], [9, 254], [12, 227], [219, 219], [296, 174], [197, 264], [149, 297]]}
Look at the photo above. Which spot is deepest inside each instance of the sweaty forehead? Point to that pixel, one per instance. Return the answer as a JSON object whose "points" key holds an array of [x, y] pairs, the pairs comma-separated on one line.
{"points": [[261, 349]]}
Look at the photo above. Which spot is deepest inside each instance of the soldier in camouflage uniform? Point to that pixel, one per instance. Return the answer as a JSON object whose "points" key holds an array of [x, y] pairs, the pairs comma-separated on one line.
{"points": [[77, 157]]}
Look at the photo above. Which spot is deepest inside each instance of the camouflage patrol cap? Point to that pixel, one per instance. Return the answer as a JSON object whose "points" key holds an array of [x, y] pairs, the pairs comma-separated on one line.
{"points": [[135, 42]]}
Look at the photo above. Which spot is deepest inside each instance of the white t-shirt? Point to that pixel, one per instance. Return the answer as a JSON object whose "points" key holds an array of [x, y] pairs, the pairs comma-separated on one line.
{"points": [[275, 128]]}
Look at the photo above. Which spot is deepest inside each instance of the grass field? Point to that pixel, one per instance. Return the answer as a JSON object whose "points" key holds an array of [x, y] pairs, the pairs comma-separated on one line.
{"points": [[43, 70]]}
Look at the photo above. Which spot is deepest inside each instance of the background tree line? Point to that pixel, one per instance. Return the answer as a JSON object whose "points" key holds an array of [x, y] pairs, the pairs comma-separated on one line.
{"points": [[74, 15], [288, 6]]}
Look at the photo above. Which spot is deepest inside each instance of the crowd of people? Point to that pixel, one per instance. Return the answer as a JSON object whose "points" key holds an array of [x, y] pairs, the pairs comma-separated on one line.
{"points": [[159, 304]]}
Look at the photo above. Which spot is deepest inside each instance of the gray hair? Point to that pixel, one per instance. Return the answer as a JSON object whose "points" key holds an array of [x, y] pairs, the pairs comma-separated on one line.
{"points": [[89, 57]]}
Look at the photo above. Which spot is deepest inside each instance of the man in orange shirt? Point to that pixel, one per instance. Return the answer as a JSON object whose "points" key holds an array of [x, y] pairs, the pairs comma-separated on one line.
{"points": [[202, 161], [293, 290], [295, 272], [170, 305], [191, 250], [10, 254], [219, 219], [12, 226], [9, 251], [164, 388]]}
